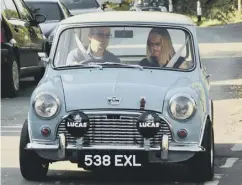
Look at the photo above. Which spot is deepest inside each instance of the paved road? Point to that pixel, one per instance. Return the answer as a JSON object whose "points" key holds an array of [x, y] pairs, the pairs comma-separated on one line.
{"points": [[222, 54]]}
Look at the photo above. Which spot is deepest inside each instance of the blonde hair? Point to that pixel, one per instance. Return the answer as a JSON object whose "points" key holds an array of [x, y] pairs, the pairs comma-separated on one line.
{"points": [[167, 50]]}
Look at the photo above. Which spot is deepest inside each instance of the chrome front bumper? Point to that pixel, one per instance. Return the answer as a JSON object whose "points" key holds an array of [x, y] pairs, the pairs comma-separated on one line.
{"points": [[164, 148]]}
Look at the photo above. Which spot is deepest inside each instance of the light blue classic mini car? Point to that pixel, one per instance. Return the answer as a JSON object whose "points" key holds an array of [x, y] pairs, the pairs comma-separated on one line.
{"points": [[121, 89]]}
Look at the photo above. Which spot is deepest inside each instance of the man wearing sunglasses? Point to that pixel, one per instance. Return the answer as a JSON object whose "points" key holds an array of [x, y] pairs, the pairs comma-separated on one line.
{"points": [[99, 40]]}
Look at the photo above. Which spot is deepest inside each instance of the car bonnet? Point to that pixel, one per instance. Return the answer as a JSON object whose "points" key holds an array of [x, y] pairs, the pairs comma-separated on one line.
{"points": [[92, 89]]}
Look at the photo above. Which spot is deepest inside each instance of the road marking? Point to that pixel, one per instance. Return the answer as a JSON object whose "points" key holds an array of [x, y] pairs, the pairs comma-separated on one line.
{"points": [[14, 126], [237, 147], [10, 131], [218, 176], [229, 163], [218, 56], [227, 82], [215, 181]]}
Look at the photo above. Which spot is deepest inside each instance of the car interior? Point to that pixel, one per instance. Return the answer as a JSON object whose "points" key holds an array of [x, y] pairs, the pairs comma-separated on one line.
{"points": [[127, 43]]}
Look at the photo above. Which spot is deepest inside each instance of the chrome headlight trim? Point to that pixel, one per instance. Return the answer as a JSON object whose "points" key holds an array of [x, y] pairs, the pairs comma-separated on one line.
{"points": [[179, 95], [57, 100]]}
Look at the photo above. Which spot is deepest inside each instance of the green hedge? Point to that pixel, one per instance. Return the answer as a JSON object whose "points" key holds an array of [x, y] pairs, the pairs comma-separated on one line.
{"points": [[221, 10]]}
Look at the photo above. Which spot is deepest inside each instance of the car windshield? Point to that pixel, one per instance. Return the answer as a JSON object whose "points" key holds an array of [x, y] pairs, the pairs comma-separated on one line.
{"points": [[50, 10], [80, 4], [148, 47]]}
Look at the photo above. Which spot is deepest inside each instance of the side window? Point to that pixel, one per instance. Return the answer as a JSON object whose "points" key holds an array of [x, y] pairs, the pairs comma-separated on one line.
{"points": [[9, 9], [23, 10]]}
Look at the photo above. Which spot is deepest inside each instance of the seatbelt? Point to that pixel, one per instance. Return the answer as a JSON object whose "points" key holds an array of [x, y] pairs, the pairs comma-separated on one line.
{"points": [[82, 48], [174, 59]]}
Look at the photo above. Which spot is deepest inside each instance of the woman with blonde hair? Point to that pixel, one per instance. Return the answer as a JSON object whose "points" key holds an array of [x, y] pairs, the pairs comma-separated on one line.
{"points": [[160, 50]]}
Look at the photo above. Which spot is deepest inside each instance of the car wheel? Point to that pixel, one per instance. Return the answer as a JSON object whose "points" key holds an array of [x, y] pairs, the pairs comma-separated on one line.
{"points": [[202, 165], [32, 166], [10, 78]]}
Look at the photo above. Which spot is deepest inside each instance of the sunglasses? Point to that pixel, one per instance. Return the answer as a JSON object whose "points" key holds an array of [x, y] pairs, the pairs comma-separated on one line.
{"points": [[154, 44]]}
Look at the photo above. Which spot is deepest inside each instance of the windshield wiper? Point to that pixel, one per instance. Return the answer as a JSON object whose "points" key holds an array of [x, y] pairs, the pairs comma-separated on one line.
{"points": [[91, 63], [100, 62], [80, 66], [120, 64]]}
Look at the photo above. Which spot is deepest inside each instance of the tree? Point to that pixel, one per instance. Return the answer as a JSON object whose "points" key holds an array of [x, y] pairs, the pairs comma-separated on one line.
{"points": [[239, 5]]}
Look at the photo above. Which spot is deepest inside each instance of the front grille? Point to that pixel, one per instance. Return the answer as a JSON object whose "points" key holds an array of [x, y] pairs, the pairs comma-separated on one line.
{"points": [[114, 130]]}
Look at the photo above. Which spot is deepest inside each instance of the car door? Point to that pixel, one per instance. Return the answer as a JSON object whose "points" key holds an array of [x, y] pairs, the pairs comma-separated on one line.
{"points": [[19, 31], [204, 72], [37, 38], [205, 78]]}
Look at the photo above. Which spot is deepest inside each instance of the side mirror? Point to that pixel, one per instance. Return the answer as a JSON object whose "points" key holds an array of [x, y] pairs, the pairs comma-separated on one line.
{"points": [[208, 75], [34, 10], [43, 58], [40, 18]]}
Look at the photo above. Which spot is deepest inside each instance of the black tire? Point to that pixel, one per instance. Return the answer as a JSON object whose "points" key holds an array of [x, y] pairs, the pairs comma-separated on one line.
{"points": [[202, 164], [10, 78], [32, 166]]}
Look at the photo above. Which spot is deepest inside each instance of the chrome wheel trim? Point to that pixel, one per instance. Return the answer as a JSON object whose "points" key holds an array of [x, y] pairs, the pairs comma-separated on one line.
{"points": [[15, 75], [212, 153]]}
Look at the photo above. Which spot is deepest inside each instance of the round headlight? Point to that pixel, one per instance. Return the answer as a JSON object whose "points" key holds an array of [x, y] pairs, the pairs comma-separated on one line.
{"points": [[46, 105], [182, 107]]}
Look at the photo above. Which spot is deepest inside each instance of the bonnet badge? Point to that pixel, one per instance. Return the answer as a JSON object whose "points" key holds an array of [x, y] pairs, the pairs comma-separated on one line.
{"points": [[114, 100]]}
